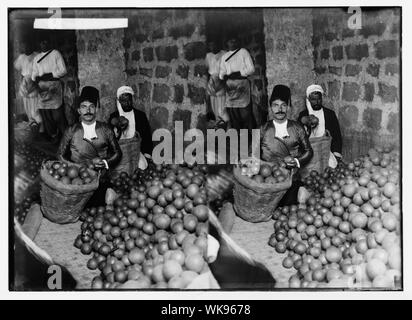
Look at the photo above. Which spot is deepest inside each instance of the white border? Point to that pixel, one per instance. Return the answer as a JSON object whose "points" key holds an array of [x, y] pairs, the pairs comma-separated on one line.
{"points": [[238, 295]]}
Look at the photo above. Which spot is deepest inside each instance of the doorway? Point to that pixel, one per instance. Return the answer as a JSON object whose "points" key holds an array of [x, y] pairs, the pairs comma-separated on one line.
{"points": [[248, 25]]}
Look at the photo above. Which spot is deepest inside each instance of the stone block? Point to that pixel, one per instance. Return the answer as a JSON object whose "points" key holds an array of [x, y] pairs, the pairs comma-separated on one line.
{"points": [[195, 50], [373, 69], [335, 70], [351, 91], [372, 118], [388, 93], [348, 116], [159, 118], [148, 54], [162, 71], [145, 89], [352, 70], [337, 53], [386, 49], [375, 29], [197, 95], [161, 93], [166, 53], [357, 51], [136, 55], [147, 72], [200, 70], [334, 89], [324, 54], [393, 123], [391, 69], [183, 71]]}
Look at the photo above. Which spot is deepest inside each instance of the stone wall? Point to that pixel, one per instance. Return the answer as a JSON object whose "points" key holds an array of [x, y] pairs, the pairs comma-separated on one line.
{"points": [[359, 70], [164, 58], [289, 52]]}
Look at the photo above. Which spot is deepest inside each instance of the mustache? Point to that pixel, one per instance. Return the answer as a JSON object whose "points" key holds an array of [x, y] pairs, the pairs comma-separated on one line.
{"points": [[89, 114]]}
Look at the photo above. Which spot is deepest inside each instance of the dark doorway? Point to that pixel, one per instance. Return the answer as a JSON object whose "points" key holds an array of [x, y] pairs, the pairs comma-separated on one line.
{"points": [[248, 25]]}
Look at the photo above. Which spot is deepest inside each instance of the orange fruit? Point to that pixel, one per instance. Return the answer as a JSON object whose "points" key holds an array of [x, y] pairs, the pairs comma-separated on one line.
{"points": [[195, 263], [157, 274], [176, 283], [374, 268], [171, 268], [333, 254], [178, 256], [359, 220], [389, 222]]}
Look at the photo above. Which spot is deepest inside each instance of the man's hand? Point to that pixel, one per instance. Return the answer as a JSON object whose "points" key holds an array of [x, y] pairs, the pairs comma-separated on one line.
{"points": [[99, 163], [290, 162]]}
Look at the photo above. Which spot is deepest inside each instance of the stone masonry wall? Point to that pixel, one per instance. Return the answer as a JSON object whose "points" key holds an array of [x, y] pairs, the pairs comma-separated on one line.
{"points": [[289, 52], [164, 58], [360, 71]]}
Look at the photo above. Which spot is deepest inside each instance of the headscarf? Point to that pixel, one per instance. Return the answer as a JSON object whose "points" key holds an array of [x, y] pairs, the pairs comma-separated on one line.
{"points": [[90, 94], [131, 129], [319, 131]]}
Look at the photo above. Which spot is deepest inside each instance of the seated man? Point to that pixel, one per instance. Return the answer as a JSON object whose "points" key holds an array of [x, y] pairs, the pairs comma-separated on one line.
{"points": [[281, 137], [91, 141], [137, 121], [327, 121]]}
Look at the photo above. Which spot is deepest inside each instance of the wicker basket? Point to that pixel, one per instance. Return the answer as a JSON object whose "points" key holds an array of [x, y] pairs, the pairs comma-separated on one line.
{"points": [[255, 202], [62, 203], [321, 153]]}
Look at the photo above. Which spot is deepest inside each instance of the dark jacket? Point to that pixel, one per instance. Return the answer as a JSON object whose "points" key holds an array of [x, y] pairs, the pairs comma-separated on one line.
{"points": [[73, 147], [297, 143], [142, 127], [332, 125]]}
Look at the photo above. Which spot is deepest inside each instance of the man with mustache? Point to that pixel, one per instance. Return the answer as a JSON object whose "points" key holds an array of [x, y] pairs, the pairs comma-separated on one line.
{"points": [[327, 122], [91, 142], [281, 137]]}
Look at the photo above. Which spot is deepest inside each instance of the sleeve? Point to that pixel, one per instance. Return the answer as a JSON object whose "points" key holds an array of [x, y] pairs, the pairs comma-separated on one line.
{"points": [[63, 153], [60, 70], [35, 73], [17, 63], [113, 147], [304, 143], [222, 69], [247, 68], [146, 134], [335, 132]]}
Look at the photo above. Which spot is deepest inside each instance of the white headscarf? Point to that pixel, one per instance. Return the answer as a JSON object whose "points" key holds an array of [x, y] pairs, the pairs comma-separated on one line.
{"points": [[319, 131], [131, 129]]}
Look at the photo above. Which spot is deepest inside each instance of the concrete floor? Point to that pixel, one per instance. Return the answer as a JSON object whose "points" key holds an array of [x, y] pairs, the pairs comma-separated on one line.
{"points": [[58, 241], [253, 237]]}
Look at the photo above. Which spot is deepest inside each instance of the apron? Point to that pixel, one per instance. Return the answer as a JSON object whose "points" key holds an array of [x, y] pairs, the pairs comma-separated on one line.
{"points": [[237, 93], [50, 94], [130, 156]]}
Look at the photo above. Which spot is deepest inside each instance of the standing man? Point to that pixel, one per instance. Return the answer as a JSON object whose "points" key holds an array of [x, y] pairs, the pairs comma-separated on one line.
{"points": [[215, 88], [91, 142], [236, 65], [28, 90], [327, 121], [136, 126], [48, 69]]}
